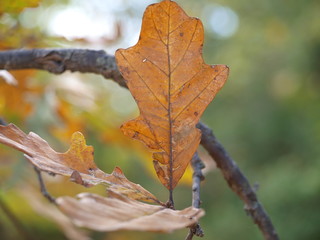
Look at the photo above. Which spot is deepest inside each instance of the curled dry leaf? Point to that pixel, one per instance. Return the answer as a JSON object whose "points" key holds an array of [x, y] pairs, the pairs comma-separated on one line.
{"points": [[76, 163], [121, 213], [120, 210], [172, 86], [47, 210]]}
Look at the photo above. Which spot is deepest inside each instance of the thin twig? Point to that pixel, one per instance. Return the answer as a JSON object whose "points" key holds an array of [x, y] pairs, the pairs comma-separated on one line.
{"points": [[43, 188], [237, 182], [15, 221], [197, 166], [197, 177]]}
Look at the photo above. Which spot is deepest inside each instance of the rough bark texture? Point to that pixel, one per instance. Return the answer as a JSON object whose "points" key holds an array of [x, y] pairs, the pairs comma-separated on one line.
{"points": [[237, 182], [60, 60], [90, 61], [197, 177]]}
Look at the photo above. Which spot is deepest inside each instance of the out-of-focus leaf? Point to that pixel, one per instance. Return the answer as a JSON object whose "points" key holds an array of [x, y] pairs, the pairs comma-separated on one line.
{"points": [[15, 99], [16, 6], [121, 213], [76, 163], [71, 121], [44, 208], [172, 86]]}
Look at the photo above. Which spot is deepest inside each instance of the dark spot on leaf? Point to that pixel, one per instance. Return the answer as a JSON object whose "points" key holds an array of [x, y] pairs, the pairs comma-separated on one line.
{"points": [[125, 70], [135, 134], [196, 113], [181, 34]]}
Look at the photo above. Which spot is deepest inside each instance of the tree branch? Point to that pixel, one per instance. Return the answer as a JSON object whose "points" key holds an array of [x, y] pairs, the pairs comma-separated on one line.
{"points": [[90, 61], [197, 177], [60, 60], [197, 166], [237, 182]]}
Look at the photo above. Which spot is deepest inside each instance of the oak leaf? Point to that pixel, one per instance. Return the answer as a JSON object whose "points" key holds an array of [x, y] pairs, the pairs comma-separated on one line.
{"points": [[121, 213], [121, 210], [76, 163], [172, 86], [44, 208]]}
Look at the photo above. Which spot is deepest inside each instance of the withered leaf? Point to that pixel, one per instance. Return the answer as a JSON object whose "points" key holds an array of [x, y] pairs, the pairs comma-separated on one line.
{"points": [[47, 210], [121, 213], [172, 86], [76, 163]]}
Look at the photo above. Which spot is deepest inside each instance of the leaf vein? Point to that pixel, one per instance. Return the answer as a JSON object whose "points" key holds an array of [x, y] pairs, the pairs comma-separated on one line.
{"points": [[155, 27], [154, 95], [188, 80], [154, 64], [198, 95], [189, 44]]}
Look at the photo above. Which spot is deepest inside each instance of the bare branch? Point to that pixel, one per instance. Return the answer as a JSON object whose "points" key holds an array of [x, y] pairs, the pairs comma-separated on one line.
{"points": [[197, 166], [60, 60], [90, 61], [237, 182], [197, 177]]}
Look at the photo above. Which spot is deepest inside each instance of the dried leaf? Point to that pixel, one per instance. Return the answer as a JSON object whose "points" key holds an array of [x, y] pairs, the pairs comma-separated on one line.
{"points": [[47, 210], [121, 213], [172, 86], [76, 163]]}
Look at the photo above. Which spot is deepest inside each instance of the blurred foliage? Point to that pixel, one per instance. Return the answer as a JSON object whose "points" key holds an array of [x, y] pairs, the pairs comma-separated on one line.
{"points": [[267, 116], [16, 6]]}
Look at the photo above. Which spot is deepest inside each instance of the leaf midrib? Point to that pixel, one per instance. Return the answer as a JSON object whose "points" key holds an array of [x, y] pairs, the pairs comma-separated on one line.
{"points": [[169, 111]]}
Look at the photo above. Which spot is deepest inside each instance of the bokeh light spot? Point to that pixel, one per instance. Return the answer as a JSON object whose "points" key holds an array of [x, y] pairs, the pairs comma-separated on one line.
{"points": [[223, 21]]}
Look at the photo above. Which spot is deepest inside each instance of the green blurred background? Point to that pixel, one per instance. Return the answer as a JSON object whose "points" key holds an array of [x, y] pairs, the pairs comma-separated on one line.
{"points": [[267, 116]]}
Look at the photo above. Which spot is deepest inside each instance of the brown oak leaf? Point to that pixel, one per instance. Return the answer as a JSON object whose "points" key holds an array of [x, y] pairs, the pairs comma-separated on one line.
{"points": [[172, 86], [76, 163]]}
